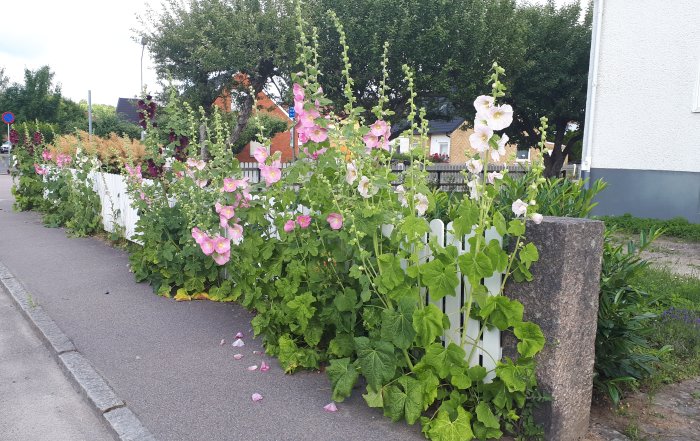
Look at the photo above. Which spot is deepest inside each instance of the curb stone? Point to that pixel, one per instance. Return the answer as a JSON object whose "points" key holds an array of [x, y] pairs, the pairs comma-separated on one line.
{"points": [[119, 419]]}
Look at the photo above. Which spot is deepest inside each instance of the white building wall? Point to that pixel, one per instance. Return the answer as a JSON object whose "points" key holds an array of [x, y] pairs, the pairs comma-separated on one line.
{"points": [[435, 141], [648, 71]]}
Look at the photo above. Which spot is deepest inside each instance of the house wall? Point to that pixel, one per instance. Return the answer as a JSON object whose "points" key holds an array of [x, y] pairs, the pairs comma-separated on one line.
{"points": [[435, 141], [461, 151], [644, 136]]}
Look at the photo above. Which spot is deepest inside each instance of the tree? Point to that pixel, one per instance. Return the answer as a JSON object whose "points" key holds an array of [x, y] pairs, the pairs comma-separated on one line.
{"points": [[203, 44], [4, 80], [552, 79]]}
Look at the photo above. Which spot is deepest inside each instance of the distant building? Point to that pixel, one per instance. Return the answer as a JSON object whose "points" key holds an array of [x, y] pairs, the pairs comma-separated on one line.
{"points": [[127, 109]]}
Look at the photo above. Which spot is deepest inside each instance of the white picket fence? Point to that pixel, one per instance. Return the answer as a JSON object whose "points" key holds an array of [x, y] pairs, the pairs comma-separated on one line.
{"points": [[117, 209]]}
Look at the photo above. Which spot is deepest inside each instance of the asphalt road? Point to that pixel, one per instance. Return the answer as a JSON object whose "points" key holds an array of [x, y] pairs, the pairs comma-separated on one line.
{"points": [[163, 358]]}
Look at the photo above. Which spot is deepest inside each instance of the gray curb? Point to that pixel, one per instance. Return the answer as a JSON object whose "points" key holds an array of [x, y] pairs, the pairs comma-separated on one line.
{"points": [[123, 423]]}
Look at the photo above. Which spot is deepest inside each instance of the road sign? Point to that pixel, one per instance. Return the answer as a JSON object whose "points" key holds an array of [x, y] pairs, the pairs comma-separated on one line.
{"points": [[291, 113], [8, 118]]}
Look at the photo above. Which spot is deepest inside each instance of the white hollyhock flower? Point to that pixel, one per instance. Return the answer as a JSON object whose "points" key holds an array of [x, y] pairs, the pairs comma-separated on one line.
{"points": [[491, 177], [474, 166], [401, 192], [500, 117], [537, 218], [421, 202], [519, 208], [351, 174], [473, 189], [366, 188], [479, 140], [483, 103]]}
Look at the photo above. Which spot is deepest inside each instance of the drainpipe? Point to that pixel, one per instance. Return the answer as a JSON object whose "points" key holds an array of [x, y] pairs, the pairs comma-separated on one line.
{"points": [[598, 8]]}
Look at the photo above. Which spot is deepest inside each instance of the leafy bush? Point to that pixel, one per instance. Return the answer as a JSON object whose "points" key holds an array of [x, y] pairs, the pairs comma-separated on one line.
{"points": [[677, 227]]}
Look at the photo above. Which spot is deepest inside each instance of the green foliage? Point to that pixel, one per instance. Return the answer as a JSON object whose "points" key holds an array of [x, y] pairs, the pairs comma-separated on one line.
{"points": [[28, 186], [677, 227], [271, 126], [106, 121]]}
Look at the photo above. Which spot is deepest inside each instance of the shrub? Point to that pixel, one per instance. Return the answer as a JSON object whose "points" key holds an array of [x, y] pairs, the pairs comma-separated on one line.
{"points": [[113, 151]]}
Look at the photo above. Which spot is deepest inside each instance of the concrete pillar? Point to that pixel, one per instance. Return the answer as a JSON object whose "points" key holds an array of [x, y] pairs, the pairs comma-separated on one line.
{"points": [[563, 300]]}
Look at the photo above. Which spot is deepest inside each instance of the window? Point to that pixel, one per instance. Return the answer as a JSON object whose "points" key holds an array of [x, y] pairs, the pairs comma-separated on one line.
{"points": [[523, 155], [444, 148]]}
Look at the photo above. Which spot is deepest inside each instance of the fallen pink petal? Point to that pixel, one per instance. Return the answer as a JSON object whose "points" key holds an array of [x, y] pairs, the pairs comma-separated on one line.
{"points": [[330, 407], [239, 334], [256, 397], [264, 367], [238, 343], [253, 367], [237, 356], [223, 342]]}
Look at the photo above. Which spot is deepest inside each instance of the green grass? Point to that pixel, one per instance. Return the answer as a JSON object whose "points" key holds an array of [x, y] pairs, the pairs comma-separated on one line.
{"points": [[677, 227], [678, 324]]}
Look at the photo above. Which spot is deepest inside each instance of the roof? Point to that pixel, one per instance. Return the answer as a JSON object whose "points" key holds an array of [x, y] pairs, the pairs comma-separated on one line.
{"points": [[127, 109]]}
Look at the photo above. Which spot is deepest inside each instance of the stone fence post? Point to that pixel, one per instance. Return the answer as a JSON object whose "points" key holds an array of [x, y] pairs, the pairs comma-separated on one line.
{"points": [[563, 300]]}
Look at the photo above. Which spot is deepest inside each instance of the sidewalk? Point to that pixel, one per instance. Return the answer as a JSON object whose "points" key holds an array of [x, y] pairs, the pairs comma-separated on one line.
{"points": [[163, 358], [36, 400]]}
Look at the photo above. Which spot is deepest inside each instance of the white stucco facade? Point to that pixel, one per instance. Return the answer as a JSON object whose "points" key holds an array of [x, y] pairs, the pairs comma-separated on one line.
{"points": [[436, 141], [646, 111]]}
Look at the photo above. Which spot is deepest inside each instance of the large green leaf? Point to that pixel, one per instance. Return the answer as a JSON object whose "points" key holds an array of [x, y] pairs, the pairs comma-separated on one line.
{"points": [[443, 359], [441, 279], [487, 425], [427, 322], [343, 375], [475, 266], [529, 254], [501, 311], [442, 428], [377, 361], [405, 401], [531, 338], [301, 310], [414, 227], [467, 217], [397, 325], [392, 275], [373, 398]]}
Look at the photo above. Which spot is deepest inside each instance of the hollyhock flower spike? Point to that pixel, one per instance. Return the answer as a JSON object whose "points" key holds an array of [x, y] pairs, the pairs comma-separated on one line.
{"points": [[226, 211], [473, 189], [47, 156], [366, 188], [261, 154], [256, 397], [304, 221], [351, 173], [289, 226], [330, 407], [502, 144], [519, 208], [201, 183], [307, 118], [303, 137], [335, 220]]}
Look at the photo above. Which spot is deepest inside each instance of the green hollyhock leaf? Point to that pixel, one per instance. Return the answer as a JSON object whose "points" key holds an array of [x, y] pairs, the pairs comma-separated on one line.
{"points": [[429, 382], [397, 325], [516, 227], [442, 359], [373, 399], [442, 428], [459, 378], [346, 300], [515, 377], [477, 373], [392, 275], [487, 425], [377, 361], [501, 311], [531, 338], [414, 227], [301, 309], [498, 257], [475, 266], [427, 323], [528, 255], [343, 375], [440, 279], [500, 223], [342, 345], [467, 217], [405, 401]]}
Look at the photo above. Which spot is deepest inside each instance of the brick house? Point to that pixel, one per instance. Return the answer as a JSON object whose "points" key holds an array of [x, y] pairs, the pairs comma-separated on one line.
{"points": [[281, 142]]}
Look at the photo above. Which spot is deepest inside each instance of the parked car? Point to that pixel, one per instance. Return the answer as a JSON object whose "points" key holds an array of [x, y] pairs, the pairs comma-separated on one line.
{"points": [[5, 148]]}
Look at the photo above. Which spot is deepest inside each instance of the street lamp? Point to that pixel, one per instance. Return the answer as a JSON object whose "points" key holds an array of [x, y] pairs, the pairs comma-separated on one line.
{"points": [[143, 48]]}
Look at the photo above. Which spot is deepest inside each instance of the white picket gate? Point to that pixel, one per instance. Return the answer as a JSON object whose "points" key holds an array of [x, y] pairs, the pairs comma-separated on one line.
{"points": [[117, 207]]}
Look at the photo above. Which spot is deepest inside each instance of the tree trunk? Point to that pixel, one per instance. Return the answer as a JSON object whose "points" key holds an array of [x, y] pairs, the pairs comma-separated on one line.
{"points": [[203, 151], [257, 83], [554, 161]]}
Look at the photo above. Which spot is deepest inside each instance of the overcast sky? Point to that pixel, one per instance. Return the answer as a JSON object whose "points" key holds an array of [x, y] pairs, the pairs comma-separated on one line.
{"points": [[87, 43]]}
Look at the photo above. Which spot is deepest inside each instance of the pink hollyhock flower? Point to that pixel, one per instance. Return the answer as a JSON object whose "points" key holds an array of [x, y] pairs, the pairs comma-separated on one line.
{"points": [[46, 155], [519, 208], [289, 226], [303, 137], [330, 407], [227, 211], [335, 220], [298, 92], [270, 174], [304, 221], [537, 218], [379, 128], [237, 356], [479, 140], [207, 245], [198, 235], [229, 185], [235, 233], [222, 245], [201, 183], [39, 170], [260, 154], [474, 166], [298, 108], [307, 118], [371, 141], [256, 397], [351, 174], [500, 117], [264, 367], [318, 134], [492, 176], [315, 154]]}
